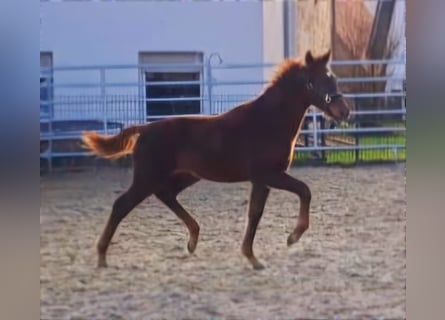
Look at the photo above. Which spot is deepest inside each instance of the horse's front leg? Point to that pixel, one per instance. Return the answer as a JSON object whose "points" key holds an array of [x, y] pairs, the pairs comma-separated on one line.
{"points": [[258, 197], [283, 181]]}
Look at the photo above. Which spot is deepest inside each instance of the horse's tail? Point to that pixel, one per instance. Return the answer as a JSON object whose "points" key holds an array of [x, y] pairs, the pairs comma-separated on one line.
{"points": [[112, 147]]}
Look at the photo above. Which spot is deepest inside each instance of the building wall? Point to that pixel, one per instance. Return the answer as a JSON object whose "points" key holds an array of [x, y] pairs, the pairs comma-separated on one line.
{"points": [[313, 26], [273, 43], [398, 33], [353, 21], [114, 33]]}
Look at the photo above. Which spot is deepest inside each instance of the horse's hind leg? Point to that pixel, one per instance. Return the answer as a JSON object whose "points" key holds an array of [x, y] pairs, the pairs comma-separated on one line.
{"points": [[168, 194], [121, 207], [258, 197]]}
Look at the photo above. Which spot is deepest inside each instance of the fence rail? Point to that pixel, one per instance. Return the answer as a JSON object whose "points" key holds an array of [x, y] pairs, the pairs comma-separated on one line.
{"points": [[109, 98]]}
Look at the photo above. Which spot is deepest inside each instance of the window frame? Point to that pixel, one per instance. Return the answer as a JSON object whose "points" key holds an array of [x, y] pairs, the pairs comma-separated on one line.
{"points": [[46, 74], [169, 62]]}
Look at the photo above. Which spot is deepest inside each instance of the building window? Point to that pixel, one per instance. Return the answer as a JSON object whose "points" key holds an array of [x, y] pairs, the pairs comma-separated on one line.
{"points": [[46, 84], [161, 72], [153, 91]]}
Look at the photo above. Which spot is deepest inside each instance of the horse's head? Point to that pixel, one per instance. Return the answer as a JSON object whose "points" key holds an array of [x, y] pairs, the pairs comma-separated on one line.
{"points": [[321, 87]]}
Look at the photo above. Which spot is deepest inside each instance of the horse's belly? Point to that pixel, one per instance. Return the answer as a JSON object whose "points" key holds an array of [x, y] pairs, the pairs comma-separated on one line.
{"points": [[220, 176], [276, 159], [215, 168]]}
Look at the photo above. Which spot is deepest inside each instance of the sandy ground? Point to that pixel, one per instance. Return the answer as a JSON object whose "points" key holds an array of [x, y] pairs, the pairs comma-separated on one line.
{"points": [[350, 263]]}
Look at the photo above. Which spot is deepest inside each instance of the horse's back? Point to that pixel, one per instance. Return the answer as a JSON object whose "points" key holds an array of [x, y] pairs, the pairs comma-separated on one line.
{"points": [[210, 147], [226, 147]]}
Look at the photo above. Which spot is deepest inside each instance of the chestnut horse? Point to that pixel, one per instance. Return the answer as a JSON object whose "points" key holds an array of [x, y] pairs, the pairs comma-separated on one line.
{"points": [[252, 142]]}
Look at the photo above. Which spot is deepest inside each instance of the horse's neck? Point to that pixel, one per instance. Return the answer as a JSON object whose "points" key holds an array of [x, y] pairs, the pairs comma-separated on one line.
{"points": [[294, 120], [289, 115]]}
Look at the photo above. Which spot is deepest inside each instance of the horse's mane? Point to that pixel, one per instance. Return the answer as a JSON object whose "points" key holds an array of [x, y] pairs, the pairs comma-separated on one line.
{"points": [[285, 68]]}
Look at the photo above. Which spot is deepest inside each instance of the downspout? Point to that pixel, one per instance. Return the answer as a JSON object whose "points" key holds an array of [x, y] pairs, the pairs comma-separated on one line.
{"points": [[333, 29], [288, 28], [380, 29]]}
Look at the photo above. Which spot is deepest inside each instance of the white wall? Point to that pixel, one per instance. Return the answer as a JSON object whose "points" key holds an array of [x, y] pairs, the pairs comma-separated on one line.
{"points": [[273, 43], [112, 33], [99, 33], [398, 31]]}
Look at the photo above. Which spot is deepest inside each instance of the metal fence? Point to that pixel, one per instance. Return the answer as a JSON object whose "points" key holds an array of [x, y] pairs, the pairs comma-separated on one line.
{"points": [[109, 98]]}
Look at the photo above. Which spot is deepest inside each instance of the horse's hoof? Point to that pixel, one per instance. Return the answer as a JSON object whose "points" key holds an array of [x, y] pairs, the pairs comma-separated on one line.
{"points": [[191, 247], [102, 264], [292, 238], [258, 266]]}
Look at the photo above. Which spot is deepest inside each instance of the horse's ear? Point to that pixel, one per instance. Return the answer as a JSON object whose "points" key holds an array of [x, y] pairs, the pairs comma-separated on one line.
{"points": [[325, 57], [309, 59]]}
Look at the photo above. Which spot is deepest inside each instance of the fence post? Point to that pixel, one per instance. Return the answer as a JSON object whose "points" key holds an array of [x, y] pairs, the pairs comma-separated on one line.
{"points": [[315, 129], [103, 99], [323, 137], [209, 86], [209, 78], [306, 127], [356, 134], [50, 104]]}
